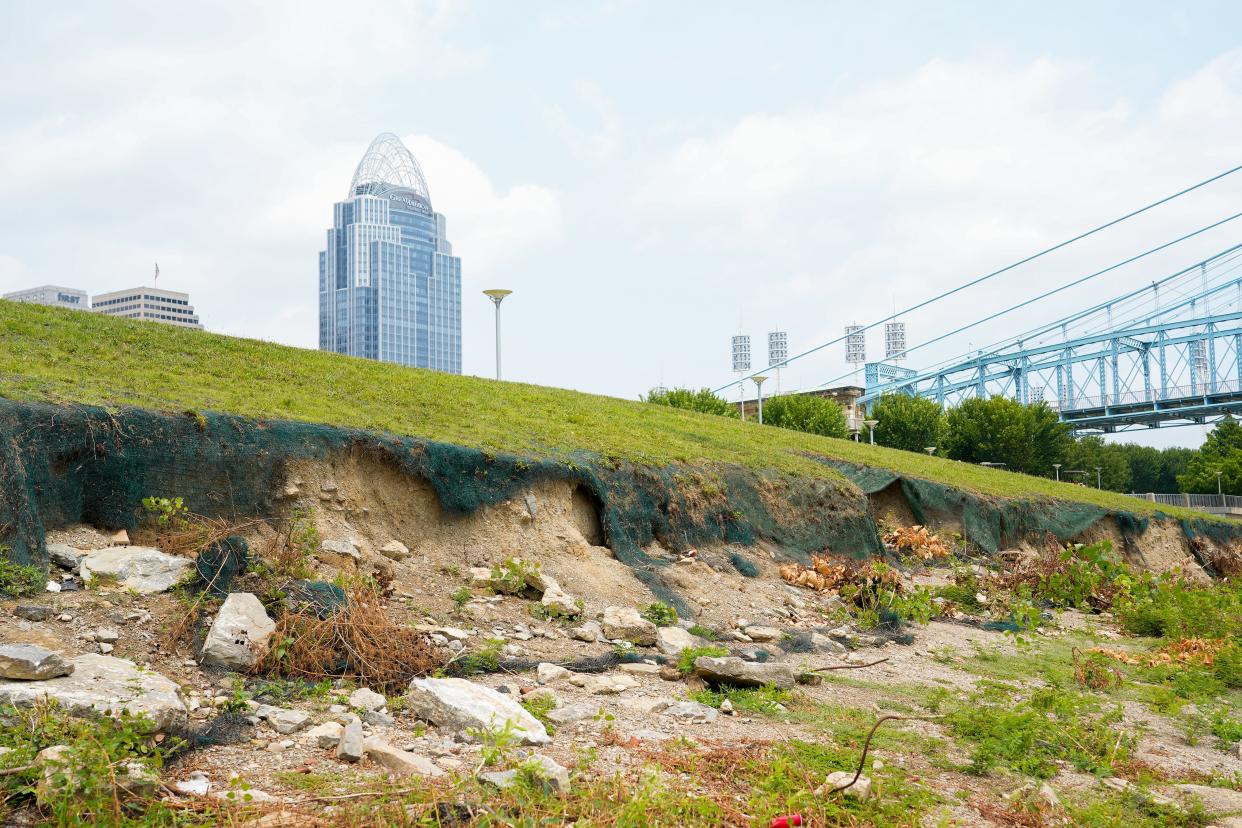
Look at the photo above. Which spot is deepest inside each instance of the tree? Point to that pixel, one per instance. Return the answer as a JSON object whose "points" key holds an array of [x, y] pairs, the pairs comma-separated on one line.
{"points": [[1026, 438], [806, 412], [702, 400], [1087, 453], [907, 422], [1155, 470], [1221, 451]]}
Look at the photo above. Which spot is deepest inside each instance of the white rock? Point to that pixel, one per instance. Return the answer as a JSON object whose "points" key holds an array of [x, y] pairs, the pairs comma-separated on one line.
{"points": [[573, 713], [560, 602], [588, 632], [691, 710], [625, 623], [196, 784], [289, 721], [140, 568], [28, 662], [107, 636], [460, 705], [326, 735], [860, 790], [366, 699], [549, 673], [101, 684], [239, 634], [400, 762], [349, 748], [65, 556], [734, 671], [672, 640], [396, 550], [758, 633]]}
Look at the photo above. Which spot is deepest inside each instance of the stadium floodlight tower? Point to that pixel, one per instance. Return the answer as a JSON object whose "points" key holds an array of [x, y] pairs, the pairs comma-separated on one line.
{"points": [[894, 341], [855, 346], [741, 366], [497, 295], [778, 352]]}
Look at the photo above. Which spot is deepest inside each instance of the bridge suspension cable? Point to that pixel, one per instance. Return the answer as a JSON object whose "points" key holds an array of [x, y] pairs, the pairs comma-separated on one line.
{"points": [[980, 279], [1073, 283]]}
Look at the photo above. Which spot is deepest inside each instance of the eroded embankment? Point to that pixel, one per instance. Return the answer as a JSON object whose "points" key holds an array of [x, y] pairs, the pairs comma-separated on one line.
{"points": [[66, 465]]}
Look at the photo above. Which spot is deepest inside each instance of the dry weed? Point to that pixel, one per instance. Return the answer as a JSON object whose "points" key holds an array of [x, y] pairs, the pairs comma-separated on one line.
{"points": [[1200, 651], [917, 541], [358, 642]]}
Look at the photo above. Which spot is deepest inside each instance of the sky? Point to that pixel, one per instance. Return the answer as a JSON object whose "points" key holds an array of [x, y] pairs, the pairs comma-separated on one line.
{"points": [[649, 178]]}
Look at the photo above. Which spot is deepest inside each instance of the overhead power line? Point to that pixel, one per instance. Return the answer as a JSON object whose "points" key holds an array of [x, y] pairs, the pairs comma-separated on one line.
{"points": [[994, 273], [1080, 280]]}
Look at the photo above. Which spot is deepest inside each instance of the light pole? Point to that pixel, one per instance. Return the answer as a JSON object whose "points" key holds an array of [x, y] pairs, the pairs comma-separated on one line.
{"points": [[497, 295], [1097, 478], [1219, 493], [1057, 466], [871, 424], [759, 389]]}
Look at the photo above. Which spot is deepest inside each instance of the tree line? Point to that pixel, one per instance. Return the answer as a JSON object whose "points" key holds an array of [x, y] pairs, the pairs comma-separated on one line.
{"points": [[1027, 438]]}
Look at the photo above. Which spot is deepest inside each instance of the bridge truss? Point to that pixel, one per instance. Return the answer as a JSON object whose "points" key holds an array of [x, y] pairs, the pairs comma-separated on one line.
{"points": [[1128, 363]]}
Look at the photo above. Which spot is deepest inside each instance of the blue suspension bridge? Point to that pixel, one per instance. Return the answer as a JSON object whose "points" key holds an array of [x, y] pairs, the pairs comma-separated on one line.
{"points": [[1167, 353]]}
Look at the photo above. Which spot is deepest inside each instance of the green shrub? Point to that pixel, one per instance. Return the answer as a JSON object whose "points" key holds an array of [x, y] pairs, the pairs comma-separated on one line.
{"points": [[513, 576], [1032, 735], [662, 615], [805, 412], [18, 580], [703, 401]]}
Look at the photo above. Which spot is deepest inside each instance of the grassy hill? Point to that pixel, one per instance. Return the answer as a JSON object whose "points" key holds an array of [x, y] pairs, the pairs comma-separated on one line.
{"points": [[64, 356]]}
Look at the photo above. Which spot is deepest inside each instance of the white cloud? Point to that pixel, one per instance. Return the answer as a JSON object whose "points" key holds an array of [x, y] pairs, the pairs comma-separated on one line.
{"points": [[592, 127], [900, 189]]}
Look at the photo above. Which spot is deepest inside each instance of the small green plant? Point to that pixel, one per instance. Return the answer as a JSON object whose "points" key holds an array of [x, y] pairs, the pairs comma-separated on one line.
{"points": [[461, 596], [703, 632], [293, 559], [238, 700], [685, 660], [496, 742], [539, 707], [768, 700], [18, 580], [484, 660], [514, 576], [662, 615], [169, 512]]}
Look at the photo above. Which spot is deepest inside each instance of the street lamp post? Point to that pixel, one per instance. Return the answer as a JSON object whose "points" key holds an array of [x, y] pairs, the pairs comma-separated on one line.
{"points": [[1097, 478], [497, 295], [759, 390], [1219, 492], [1057, 466], [871, 424]]}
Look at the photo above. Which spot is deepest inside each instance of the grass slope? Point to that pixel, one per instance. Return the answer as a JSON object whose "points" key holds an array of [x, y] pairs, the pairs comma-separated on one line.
{"points": [[65, 356]]}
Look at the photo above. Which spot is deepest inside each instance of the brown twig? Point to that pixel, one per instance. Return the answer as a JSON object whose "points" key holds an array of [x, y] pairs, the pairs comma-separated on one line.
{"points": [[862, 761], [846, 666], [16, 770]]}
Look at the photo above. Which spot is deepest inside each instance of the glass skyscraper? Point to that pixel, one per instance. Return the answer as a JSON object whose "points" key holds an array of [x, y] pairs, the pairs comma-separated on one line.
{"points": [[389, 284]]}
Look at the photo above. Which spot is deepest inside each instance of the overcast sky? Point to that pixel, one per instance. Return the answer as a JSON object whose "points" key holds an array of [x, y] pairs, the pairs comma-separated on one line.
{"points": [[649, 178]]}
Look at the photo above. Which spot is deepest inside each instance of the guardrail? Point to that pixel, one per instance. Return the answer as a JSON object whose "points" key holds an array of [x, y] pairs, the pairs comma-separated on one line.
{"points": [[1193, 501]]}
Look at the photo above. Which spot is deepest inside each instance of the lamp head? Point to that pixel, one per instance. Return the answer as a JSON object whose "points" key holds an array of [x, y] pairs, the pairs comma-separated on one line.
{"points": [[497, 294]]}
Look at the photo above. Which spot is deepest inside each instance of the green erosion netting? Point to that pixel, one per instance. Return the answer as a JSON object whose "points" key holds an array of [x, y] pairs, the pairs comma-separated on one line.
{"points": [[993, 523], [69, 464]]}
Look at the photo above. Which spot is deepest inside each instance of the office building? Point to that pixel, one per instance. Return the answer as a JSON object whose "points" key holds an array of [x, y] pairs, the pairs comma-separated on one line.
{"points": [[389, 284], [61, 297], [151, 304]]}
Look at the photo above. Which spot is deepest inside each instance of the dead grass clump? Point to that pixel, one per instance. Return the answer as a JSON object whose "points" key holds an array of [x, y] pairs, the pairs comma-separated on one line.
{"points": [[1199, 651], [917, 541], [831, 572], [358, 642], [1092, 671], [1227, 560]]}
